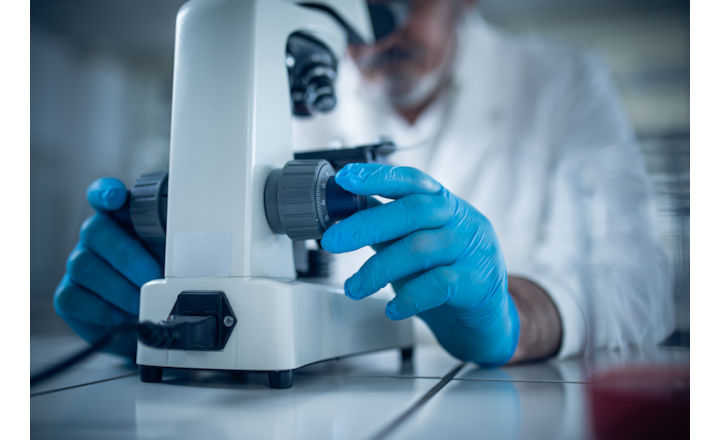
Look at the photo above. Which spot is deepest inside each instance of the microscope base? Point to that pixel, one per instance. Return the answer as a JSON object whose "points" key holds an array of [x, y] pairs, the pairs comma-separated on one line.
{"points": [[280, 326]]}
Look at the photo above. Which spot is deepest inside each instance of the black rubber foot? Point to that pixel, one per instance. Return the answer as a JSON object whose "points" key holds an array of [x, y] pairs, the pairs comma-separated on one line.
{"points": [[150, 374], [280, 379], [406, 354]]}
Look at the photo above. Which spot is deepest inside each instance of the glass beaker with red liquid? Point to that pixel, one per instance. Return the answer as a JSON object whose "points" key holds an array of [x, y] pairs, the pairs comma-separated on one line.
{"points": [[640, 401]]}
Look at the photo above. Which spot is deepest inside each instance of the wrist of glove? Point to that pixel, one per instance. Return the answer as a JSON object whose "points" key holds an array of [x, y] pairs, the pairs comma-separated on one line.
{"points": [[439, 253]]}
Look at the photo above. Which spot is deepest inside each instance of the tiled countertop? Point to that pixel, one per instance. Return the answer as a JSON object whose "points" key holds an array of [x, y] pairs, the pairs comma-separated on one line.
{"points": [[366, 396]]}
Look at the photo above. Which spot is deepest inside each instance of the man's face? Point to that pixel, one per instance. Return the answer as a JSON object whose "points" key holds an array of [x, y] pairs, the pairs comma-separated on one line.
{"points": [[410, 61]]}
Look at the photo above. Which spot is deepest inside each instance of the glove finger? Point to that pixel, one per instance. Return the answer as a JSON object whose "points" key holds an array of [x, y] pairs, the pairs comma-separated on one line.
{"points": [[124, 253], [384, 180], [388, 222], [418, 252], [91, 272], [371, 203], [425, 292], [107, 194], [74, 302]]}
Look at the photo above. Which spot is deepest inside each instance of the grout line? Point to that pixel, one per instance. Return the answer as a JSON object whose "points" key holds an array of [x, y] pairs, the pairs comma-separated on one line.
{"points": [[417, 404], [468, 379], [371, 376], [41, 393], [392, 376]]}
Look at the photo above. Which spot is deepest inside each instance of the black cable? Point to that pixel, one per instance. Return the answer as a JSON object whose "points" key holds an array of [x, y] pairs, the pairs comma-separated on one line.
{"points": [[179, 332], [110, 336]]}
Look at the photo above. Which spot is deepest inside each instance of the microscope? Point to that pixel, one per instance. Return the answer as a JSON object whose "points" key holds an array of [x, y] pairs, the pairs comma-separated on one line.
{"points": [[235, 198]]}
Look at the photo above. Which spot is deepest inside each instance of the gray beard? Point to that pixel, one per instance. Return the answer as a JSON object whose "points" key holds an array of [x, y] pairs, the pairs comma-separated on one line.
{"points": [[396, 92]]}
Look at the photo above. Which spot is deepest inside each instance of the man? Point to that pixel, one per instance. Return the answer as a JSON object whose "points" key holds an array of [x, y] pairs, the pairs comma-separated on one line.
{"points": [[532, 239]]}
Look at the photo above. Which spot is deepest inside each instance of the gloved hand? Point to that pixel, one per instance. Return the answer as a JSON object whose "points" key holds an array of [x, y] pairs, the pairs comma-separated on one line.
{"points": [[105, 270], [441, 256]]}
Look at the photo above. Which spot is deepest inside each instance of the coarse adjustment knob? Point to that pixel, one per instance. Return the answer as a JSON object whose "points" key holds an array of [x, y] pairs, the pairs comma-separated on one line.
{"points": [[148, 207], [302, 199]]}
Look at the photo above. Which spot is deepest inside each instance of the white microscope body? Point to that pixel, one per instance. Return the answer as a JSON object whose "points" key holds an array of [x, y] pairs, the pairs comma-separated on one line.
{"points": [[231, 126]]}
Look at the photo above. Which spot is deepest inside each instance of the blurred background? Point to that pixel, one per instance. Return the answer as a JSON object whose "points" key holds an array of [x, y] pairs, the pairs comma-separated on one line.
{"points": [[101, 79]]}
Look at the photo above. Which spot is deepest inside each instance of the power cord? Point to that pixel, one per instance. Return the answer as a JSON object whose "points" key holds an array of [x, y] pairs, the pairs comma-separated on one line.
{"points": [[179, 332]]}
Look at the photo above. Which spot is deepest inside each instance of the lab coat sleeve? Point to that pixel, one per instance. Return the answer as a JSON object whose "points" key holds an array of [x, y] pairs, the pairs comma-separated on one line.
{"points": [[598, 254]]}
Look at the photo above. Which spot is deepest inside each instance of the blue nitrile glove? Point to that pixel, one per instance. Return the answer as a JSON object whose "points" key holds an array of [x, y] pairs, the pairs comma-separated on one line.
{"points": [[105, 270], [441, 256]]}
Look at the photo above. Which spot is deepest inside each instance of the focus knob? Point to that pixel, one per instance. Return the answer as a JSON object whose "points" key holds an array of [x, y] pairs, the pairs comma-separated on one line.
{"points": [[302, 199], [148, 207]]}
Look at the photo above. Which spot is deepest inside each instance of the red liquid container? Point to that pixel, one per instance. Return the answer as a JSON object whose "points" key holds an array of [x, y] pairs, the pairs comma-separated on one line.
{"points": [[641, 402]]}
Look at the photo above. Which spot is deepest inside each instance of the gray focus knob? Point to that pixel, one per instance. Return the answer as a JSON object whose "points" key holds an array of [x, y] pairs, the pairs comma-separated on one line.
{"points": [[148, 207], [303, 200], [295, 199]]}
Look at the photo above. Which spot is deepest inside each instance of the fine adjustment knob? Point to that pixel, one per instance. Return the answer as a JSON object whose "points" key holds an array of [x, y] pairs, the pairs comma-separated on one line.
{"points": [[302, 199]]}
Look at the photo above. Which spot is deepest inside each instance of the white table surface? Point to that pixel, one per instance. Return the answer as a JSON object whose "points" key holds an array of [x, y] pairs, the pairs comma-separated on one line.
{"points": [[366, 396]]}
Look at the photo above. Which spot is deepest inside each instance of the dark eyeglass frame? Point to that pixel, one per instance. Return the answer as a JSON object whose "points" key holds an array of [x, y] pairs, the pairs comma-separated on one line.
{"points": [[389, 16]]}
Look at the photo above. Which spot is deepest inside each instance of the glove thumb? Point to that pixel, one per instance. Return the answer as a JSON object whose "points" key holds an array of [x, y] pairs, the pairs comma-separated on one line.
{"points": [[107, 194]]}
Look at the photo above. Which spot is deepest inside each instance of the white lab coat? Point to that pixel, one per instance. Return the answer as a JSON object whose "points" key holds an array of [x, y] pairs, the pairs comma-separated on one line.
{"points": [[534, 136]]}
